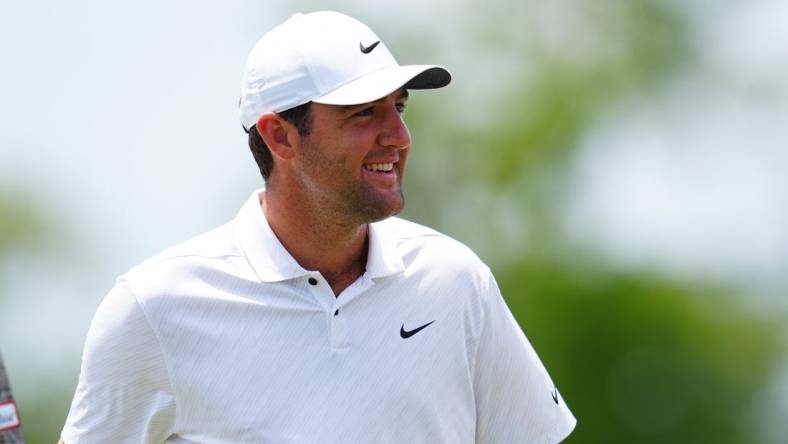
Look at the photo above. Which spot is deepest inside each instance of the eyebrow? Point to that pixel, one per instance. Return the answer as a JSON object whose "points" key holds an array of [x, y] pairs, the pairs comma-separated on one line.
{"points": [[403, 95]]}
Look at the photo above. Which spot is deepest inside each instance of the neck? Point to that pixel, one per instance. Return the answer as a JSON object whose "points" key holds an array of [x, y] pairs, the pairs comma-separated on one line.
{"points": [[318, 241]]}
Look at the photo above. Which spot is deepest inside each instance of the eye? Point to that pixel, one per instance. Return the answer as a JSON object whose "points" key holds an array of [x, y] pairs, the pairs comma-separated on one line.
{"points": [[368, 111], [401, 107]]}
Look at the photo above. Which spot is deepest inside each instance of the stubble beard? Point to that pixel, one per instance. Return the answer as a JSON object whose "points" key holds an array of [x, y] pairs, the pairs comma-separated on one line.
{"points": [[355, 202], [358, 204], [372, 207]]}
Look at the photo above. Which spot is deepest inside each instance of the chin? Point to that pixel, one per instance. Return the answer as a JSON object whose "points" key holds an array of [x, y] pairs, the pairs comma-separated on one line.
{"points": [[377, 215], [379, 209]]}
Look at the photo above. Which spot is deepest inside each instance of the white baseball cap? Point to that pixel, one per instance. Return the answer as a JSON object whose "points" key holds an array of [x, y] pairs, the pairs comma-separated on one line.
{"points": [[325, 57]]}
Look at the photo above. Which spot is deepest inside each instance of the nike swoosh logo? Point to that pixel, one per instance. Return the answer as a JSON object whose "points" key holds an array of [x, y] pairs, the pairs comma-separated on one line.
{"points": [[367, 49], [554, 394], [406, 334]]}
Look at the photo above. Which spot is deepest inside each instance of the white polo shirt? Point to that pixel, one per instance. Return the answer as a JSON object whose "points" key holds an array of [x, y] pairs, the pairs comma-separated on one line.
{"points": [[226, 339]]}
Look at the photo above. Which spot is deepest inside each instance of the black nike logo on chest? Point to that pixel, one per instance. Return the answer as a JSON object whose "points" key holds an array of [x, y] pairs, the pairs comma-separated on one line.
{"points": [[406, 334]]}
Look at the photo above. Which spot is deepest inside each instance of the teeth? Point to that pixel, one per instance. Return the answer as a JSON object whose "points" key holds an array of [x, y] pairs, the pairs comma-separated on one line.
{"points": [[379, 166]]}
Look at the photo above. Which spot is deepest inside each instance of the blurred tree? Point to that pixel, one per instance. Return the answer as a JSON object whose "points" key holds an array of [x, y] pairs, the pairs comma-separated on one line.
{"points": [[642, 359], [19, 226], [559, 92], [23, 231]]}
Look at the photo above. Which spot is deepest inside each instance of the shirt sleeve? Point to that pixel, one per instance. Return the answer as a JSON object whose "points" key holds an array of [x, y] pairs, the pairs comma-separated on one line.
{"points": [[516, 401], [124, 393]]}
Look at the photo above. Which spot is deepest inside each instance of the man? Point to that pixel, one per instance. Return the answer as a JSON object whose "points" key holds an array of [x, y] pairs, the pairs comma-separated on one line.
{"points": [[10, 426], [315, 316]]}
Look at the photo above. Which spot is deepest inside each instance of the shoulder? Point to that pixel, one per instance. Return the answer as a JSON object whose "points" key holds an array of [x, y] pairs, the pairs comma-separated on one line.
{"points": [[412, 236], [214, 244], [425, 247], [202, 257]]}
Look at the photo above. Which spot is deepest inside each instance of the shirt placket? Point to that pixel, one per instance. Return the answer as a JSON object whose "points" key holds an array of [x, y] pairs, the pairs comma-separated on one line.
{"points": [[336, 309]]}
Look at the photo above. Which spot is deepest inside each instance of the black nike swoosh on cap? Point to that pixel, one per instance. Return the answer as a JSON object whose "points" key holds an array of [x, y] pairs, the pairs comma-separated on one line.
{"points": [[406, 334], [367, 49]]}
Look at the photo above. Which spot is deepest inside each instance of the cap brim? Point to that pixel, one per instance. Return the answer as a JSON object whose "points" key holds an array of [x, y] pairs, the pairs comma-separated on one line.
{"points": [[380, 83]]}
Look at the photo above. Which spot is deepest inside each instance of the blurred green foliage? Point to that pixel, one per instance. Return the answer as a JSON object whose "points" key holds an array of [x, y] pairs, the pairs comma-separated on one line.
{"points": [[44, 416], [20, 227], [639, 358], [541, 123], [24, 232], [537, 121]]}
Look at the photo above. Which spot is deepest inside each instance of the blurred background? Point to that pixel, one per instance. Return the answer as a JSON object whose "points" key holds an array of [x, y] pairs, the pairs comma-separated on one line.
{"points": [[621, 165]]}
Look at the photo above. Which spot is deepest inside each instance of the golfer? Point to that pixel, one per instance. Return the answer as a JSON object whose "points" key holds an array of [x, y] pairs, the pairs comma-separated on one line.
{"points": [[315, 315]]}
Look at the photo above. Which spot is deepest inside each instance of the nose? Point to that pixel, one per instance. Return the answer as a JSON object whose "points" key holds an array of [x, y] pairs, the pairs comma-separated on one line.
{"points": [[394, 133]]}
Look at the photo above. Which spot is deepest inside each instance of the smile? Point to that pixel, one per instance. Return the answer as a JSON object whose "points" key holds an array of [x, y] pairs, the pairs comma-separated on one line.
{"points": [[385, 167]]}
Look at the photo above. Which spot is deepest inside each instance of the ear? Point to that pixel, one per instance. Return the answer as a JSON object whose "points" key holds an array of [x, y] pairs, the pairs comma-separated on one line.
{"points": [[279, 134]]}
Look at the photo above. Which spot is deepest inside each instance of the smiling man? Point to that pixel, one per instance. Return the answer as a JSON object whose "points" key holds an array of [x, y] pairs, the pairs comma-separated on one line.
{"points": [[315, 316]]}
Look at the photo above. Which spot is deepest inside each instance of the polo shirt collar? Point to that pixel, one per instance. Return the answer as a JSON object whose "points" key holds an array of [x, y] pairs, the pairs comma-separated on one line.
{"points": [[383, 257], [272, 262], [269, 258]]}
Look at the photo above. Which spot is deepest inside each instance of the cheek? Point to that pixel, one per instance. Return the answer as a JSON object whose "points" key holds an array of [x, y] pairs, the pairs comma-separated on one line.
{"points": [[338, 166], [403, 158], [341, 155]]}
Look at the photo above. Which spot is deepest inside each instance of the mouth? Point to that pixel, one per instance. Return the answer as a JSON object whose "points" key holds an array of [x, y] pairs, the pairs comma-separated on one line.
{"points": [[379, 167], [383, 174]]}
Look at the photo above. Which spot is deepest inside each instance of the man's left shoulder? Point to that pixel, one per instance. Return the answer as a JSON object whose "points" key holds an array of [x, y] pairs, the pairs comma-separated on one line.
{"points": [[419, 242]]}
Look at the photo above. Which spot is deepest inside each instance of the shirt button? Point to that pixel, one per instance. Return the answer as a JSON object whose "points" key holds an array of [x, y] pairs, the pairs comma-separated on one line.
{"points": [[312, 281]]}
